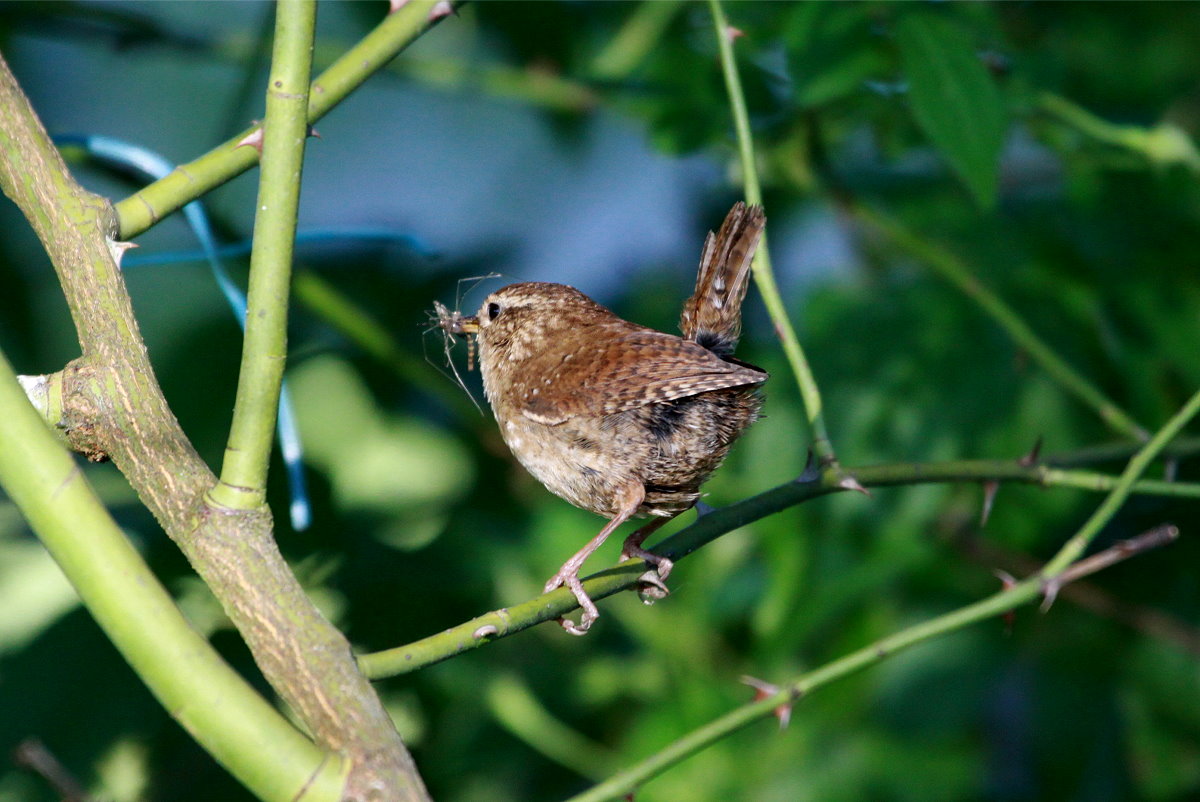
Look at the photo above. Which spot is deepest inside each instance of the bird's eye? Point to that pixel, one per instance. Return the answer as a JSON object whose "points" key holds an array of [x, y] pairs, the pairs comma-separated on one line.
{"points": [[493, 311]]}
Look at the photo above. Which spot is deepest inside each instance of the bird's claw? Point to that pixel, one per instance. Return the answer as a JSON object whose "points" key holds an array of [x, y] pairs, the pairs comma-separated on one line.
{"points": [[573, 584], [570, 627], [651, 587]]}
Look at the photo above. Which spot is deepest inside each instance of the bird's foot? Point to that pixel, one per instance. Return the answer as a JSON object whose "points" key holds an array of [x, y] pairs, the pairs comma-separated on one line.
{"points": [[590, 613], [652, 585]]}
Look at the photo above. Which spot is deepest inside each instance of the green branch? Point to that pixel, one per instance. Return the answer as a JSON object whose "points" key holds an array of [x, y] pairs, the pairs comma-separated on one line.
{"points": [[624, 782], [764, 276], [111, 397], [226, 161], [954, 271], [247, 455], [1075, 547], [510, 620], [186, 675], [637, 38], [1164, 145], [1061, 569]]}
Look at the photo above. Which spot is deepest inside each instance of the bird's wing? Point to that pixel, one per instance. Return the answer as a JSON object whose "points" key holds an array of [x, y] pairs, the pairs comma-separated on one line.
{"points": [[622, 367]]}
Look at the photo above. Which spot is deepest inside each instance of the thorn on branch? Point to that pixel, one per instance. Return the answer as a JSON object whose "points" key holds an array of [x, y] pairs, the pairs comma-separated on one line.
{"points": [[1030, 459], [118, 249], [1050, 589], [442, 8], [1008, 582], [254, 139], [990, 488], [850, 483], [733, 34], [764, 690], [1170, 469], [703, 509]]}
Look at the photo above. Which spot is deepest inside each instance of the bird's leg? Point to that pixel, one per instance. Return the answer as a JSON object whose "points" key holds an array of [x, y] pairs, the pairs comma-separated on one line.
{"points": [[568, 575], [654, 585]]}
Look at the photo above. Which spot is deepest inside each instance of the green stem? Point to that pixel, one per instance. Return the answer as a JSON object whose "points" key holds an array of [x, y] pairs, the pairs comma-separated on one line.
{"points": [[1164, 145], [1085, 122], [186, 675], [1178, 448], [518, 710], [764, 276], [113, 406], [539, 87], [637, 37], [1061, 569], [954, 271], [510, 620], [624, 782], [247, 455], [230, 159]]}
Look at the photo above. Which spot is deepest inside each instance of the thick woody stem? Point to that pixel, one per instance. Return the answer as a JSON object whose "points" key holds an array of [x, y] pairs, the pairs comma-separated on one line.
{"points": [[113, 388]]}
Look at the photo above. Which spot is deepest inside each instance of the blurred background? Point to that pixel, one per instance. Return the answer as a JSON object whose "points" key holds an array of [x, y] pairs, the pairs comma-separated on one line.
{"points": [[591, 143]]}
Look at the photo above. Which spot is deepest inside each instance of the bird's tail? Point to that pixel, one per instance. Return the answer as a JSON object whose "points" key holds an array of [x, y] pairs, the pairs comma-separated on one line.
{"points": [[712, 317]]}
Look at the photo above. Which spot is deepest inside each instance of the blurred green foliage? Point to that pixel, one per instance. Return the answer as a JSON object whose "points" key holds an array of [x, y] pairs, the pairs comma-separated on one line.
{"points": [[423, 519]]}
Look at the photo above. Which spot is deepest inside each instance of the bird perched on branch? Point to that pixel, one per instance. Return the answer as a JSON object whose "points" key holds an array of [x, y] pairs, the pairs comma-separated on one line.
{"points": [[614, 417]]}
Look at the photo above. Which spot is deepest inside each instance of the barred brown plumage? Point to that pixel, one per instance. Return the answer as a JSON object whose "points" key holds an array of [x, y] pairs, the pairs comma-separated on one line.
{"points": [[614, 417]]}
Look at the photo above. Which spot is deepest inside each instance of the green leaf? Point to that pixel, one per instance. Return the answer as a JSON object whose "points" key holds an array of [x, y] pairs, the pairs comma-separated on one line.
{"points": [[955, 101]]}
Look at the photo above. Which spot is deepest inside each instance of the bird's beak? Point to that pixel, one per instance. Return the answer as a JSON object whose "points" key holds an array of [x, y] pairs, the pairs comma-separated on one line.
{"points": [[462, 325], [455, 322]]}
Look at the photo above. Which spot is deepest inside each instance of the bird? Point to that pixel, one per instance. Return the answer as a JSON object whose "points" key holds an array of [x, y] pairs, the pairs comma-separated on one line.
{"points": [[615, 417]]}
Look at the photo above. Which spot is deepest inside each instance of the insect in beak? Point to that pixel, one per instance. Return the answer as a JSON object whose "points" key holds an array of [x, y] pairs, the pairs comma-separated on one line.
{"points": [[458, 324]]}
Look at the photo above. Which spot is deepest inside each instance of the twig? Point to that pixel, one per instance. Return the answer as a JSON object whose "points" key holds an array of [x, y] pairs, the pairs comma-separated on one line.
{"points": [[629, 779], [764, 276], [1142, 618], [226, 161], [953, 270], [1075, 547], [264, 352], [225, 715], [1045, 583], [507, 621], [1159, 536], [32, 755]]}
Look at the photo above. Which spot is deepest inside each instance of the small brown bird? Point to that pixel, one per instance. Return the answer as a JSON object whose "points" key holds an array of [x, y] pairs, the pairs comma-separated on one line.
{"points": [[614, 417]]}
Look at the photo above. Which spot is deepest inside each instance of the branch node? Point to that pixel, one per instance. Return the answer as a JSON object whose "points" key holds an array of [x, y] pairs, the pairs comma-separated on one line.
{"points": [[485, 631], [810, 473]]}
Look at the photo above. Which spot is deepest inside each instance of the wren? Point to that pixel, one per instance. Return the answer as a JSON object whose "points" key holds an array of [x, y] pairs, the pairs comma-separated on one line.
{"points": [[614, 417]]}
